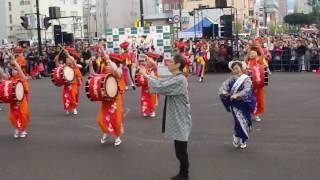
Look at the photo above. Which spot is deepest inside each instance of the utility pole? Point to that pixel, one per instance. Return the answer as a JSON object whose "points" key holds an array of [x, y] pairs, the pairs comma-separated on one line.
{"points": [[141, 14], [96, 33], [180, 14], [38, 29], [194, 24], [74, 31]]}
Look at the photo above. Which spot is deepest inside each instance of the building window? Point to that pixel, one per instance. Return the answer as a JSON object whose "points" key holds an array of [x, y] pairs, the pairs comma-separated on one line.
{"points": [[74, 13], [168, 7], [185, 20], [64, 26], [11, 28], [9, 4], [75, 1], [63, 13], [77, 26], [10, 18], [25, 2]]}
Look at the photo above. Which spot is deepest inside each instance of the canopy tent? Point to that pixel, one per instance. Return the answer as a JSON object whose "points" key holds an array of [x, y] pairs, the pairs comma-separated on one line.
{"points": [[196, 30]]}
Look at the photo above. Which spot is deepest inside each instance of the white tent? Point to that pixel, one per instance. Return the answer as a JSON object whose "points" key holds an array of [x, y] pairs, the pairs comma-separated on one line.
{"points": [[196, 30]]}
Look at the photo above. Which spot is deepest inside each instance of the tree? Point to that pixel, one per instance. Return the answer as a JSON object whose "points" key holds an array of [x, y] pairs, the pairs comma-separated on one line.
{"points": [[299, 19], [315, 4], [272, 29]]}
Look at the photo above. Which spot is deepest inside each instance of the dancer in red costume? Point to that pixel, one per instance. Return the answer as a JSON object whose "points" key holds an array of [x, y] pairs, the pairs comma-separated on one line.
{"points": [[19, 111], [148, 101], [70, 94], [256, 71], [110, 116]]}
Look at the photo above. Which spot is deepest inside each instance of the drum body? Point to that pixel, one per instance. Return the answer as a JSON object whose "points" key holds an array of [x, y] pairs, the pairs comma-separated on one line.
{"points": [[137, 76], [266, 76], [102, 87], [11, 91], [62, 75]]}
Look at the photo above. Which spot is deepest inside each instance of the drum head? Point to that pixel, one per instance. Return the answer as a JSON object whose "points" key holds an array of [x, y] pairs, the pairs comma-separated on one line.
{"points": [[19, 91], [68, 73], [111, 87]]}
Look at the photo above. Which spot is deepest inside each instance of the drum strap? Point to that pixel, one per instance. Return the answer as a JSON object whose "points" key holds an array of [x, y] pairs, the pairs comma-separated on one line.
{"points": [[164, 116]]}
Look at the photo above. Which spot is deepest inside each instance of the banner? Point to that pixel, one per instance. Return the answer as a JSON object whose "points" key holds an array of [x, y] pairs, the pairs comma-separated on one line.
{"points": [[158, 37]]}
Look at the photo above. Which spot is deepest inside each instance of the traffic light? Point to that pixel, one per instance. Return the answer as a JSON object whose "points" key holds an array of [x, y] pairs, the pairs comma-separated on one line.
{"points": [[46, 22], [25, 21]]}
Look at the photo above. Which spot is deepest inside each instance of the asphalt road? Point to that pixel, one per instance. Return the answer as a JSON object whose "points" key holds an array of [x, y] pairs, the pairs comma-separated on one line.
{"points": [[284, 146]]}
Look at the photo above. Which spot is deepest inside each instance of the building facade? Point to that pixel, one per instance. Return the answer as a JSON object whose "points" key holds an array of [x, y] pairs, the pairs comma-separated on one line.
{"points": [[120, 13], [241, 9], [14, 9], [271, 11], [283, 9], [301, 6], [4, 30]]}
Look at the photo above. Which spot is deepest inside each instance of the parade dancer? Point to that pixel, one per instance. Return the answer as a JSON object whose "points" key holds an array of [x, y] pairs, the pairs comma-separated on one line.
{"points": [[19, 111], [186, 55], [266, 57], [263, 54], [201, 59], [237, 97], [257, 73], [21, 60], [110, 116], [70, 94], [148, 101], [129, 65]]}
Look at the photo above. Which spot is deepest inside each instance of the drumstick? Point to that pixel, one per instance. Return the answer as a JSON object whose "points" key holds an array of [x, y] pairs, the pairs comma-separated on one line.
{"points": [[90, 60], [60, 51], [61, 46], [56, 59], [105, 55]]}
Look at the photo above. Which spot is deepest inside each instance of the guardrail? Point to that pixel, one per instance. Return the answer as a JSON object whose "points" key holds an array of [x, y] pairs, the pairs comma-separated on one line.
{"points": [[288, 63]]}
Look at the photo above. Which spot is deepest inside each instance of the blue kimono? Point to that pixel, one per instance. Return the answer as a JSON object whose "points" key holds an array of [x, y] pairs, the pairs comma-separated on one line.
{"points": [[241, 108]]}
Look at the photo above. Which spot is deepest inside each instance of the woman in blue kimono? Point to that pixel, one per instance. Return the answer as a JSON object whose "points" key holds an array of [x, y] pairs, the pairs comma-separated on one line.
{"points": [[236, 95]]}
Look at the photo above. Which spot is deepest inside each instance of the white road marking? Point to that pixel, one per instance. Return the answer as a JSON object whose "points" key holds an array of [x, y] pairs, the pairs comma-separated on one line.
{"points": [[91, 127], [216, 104], [127, 111]]}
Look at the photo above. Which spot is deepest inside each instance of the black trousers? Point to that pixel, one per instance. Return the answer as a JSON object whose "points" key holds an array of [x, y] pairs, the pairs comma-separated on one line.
{"points": [[182, 156]]}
